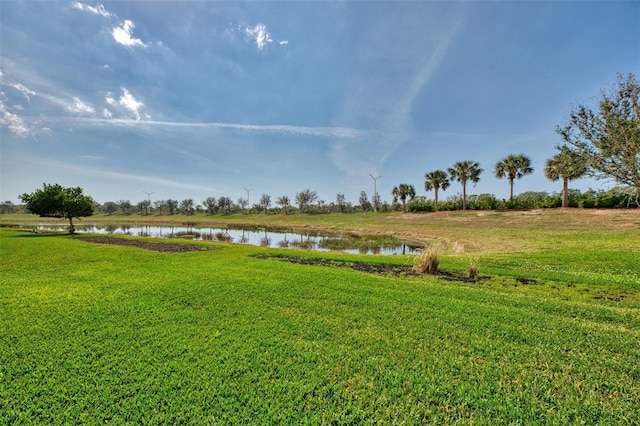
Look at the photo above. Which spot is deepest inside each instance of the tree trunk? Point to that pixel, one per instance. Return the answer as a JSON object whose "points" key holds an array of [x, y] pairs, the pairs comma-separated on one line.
{"points": [[72, 229], [510, 189], [436, 191], [464, 195], [637, 200], [565, 193]]}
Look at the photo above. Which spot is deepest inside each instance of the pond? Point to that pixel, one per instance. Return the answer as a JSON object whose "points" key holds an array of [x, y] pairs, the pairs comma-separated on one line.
{"points": [[280, 238]]}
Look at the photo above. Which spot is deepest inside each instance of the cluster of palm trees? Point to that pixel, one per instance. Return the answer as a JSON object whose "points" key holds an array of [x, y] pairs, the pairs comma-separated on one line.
{"points": [[566, 165], [469, 171]]}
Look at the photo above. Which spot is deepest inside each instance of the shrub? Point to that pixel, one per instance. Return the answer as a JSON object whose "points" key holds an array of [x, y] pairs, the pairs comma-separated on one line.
{"points": [[427, 262], [420, 204], [473, 270]]}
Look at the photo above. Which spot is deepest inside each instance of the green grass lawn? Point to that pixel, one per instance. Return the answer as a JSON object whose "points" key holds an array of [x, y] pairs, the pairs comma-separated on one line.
{"points": [[93, 333]]}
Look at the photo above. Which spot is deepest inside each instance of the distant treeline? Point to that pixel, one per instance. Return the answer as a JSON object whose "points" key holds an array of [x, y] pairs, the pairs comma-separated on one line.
{"points": [[617, 197]]}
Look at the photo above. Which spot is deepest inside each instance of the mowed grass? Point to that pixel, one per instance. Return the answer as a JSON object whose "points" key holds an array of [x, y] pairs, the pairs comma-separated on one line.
{"points": [[93, 333]]}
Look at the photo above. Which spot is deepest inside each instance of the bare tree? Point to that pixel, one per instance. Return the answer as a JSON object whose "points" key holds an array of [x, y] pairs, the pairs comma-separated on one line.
{"points": [[365, 205], [377, 202], [340, 201], [243, 203]]}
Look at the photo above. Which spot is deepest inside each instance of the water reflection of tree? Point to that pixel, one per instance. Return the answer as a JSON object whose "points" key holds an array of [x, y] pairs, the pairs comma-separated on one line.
{"points": [[224, 237], [284, 243], [266, 240], [244, 239], [307, 244], [145, 231]]}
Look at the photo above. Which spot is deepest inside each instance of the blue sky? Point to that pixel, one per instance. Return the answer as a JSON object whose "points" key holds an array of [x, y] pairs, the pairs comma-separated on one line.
{"points": [[191, 99]]}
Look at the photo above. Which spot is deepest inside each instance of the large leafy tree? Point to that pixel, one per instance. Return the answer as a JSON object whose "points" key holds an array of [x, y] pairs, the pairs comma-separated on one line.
{"points": [[513, 167], [402, 192], [435, 180], [463, 172], [187, 206], [210, 203], [609, 137], [566, 165], [225, 204], [58, 201]]}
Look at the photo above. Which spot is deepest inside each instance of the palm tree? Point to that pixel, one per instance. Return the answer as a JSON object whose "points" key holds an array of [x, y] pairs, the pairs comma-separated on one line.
{"points": [[284, 203], [403, 191], [437, 179], [513, 167], [566, 165], [464, 171]]}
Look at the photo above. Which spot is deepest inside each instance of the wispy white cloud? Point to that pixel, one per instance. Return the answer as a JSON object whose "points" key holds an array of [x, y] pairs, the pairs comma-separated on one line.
{"points": [[98, 9], [260, 35], [319, 131], [127, 101], [123, 35], [26, 92], [80, 107], [89, 172], [130, 103], [13, 122], [391, 106]]}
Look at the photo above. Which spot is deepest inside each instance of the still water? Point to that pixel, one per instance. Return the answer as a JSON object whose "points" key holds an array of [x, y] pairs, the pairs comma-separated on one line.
{"points": [[317, 241]]}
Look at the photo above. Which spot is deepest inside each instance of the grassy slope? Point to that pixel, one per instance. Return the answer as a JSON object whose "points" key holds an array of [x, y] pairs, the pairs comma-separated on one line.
{"points": [[93, 333]]}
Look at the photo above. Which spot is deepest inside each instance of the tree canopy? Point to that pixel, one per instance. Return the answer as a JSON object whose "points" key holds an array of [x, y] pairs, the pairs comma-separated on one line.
{"points": [[403, 191], [464, 171], [305, 199], [609, 136], [566, 165], [435, 180], [58, 201], [513, 167]]}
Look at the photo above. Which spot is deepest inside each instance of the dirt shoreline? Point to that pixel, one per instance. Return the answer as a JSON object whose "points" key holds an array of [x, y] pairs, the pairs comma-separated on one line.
{"points": [[146, 245]]}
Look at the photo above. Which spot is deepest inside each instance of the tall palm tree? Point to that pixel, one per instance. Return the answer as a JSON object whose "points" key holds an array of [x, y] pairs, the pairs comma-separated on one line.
{"points": [[513, 167], [566, 165], [435, 180], [463, 172], [403, 191]]}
